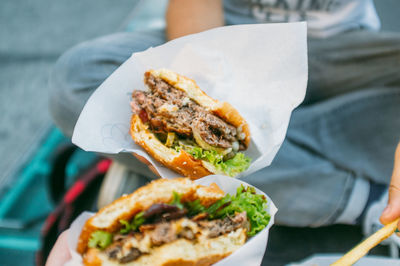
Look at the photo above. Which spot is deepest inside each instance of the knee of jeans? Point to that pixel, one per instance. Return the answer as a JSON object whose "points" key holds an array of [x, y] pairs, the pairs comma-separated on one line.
{"points": [[68, 72], [80, 70], [65, 87]]}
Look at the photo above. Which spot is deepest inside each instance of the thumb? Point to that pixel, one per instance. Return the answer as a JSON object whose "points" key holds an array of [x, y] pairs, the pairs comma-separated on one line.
{"points": [[59, 254], [392, 211]]}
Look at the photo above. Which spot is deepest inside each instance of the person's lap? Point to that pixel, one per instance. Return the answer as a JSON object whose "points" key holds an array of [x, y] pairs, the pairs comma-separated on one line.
{"points": [[347, 127], [330, 145], [352, 61]]}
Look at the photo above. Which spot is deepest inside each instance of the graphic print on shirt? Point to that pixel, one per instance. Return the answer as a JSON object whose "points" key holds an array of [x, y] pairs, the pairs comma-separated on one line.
{"points": [[292, 10]]}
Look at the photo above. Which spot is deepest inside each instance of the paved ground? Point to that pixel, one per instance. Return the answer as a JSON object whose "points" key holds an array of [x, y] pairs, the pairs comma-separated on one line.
{"points": [[33, 34]]}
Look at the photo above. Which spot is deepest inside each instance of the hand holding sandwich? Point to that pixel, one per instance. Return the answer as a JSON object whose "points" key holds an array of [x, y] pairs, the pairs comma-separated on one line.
{"points": [[59, 254]]}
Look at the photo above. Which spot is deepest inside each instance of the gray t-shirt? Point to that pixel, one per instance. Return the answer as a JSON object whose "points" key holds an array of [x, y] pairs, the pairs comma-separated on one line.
{"points": [[324, 17]]}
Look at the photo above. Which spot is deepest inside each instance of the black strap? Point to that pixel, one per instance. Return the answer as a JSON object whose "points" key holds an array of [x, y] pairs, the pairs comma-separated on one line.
{"points": [[57, 177]]}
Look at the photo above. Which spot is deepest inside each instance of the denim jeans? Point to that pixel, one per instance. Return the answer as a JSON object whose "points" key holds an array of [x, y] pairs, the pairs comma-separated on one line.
{"points": [[339, 140]]}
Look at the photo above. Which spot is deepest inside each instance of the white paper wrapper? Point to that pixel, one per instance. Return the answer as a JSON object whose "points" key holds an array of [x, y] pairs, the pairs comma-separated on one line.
{"points": [[260, 69], [249, 254]]}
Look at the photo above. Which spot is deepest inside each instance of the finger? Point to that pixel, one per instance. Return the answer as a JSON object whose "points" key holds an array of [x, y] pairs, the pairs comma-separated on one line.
{"points": [[141, 159], [398, 231], [392, 211], [59, 254]]}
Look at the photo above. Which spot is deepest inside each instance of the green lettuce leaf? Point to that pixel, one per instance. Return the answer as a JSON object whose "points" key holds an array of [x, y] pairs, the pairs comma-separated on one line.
{"points": [[196, 152], [236, 165], [176, 200], [194, 207], [127, 227], [100, 239], [246, 200], [137, 221], [239, 163]]}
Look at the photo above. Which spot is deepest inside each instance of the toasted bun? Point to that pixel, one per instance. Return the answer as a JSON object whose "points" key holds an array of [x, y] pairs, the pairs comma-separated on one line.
{"points": [[180, 252], [159, 191], [181, 161]]}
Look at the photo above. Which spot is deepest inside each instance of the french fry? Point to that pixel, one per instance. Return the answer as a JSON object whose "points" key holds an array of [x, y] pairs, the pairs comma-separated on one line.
{"points": [[364, 247]]}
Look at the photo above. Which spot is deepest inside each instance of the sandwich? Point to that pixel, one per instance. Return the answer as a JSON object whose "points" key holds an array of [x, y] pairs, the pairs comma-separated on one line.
{"points": [[186, 130], [172, 222]]}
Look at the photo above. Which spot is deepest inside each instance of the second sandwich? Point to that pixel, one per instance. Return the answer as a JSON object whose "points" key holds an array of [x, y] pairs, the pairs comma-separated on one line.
{"points": [[173, 222]]}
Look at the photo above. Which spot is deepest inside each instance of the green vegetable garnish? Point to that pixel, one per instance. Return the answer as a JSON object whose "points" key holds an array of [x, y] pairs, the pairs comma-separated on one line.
{"points": [[176, 200], [137, 221], [194, 207], [214, 210], [127, 227], [196, 152], [236, 165], [246, 200], [239, 163], [100, 239]]}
